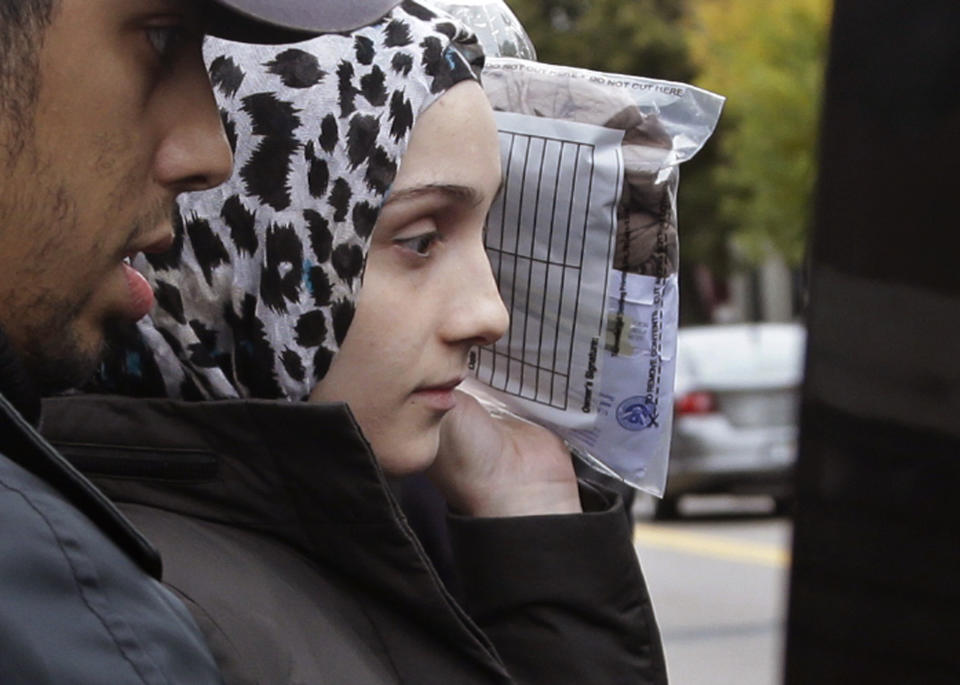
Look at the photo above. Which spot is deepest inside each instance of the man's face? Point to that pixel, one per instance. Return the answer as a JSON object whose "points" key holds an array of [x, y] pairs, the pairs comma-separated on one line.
{"points": [[124, 120]]}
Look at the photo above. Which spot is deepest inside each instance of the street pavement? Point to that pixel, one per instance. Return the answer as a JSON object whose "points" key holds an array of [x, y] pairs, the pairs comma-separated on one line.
{"points": [[718, 580]]}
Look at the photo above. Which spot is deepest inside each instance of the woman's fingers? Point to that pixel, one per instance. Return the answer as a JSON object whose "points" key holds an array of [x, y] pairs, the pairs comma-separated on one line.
{"points": [[502, 466]]}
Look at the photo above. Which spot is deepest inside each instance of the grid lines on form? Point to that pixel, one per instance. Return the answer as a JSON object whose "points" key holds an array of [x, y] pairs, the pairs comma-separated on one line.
{"points": [[538, 266]]}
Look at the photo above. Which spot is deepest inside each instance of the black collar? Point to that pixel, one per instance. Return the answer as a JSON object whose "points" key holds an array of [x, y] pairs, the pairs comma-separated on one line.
{"points": [[16, 384], [300, 472], [20, 406]]}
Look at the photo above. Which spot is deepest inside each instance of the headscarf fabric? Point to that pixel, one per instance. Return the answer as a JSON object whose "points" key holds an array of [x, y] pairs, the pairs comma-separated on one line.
{"points": [[256, 295]]}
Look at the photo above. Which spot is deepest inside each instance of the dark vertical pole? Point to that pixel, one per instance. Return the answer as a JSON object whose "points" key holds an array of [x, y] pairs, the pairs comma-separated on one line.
{"points": [[875, 584]]}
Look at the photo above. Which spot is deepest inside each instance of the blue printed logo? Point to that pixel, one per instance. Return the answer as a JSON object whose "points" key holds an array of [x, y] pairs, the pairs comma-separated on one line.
{"points": [[636, 413]]}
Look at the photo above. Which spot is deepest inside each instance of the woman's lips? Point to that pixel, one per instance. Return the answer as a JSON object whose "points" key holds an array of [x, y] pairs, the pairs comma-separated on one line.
{"points": [[141, 294], [439, 397]]}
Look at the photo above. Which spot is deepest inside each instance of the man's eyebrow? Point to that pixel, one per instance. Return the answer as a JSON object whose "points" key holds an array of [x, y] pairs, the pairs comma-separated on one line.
{"points": [[194, 14], [465, 195]]}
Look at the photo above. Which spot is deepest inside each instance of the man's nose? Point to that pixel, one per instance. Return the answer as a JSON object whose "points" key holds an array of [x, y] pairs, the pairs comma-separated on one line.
{"points": [[194, 153]]}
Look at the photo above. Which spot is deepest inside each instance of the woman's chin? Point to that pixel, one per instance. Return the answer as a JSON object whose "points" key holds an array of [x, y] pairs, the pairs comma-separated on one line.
{"points": [[405, 459]]}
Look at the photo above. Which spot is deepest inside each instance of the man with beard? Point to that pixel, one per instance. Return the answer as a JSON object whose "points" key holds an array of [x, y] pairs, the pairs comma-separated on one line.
{"points": [[106, 114]]}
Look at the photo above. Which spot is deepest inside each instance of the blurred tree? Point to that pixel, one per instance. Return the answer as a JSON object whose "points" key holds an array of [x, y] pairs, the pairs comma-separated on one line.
{"points": [[642, 38], [768, 59], [752, 184]]}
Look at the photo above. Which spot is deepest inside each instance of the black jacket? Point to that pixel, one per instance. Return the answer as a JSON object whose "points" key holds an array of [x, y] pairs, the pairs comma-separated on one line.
{"points": [[282, 535], [80, 602]]}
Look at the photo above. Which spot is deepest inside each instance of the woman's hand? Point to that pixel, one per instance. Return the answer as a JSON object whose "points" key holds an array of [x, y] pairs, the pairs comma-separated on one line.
{"points": [[502, 466]]}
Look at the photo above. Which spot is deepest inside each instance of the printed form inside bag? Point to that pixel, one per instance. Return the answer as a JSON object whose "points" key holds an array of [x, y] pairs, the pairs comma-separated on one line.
{"points": [[583, 242]]}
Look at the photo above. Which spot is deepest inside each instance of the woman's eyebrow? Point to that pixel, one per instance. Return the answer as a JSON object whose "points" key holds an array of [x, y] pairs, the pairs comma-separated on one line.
{"points": [[169, 4], [460, 194]]}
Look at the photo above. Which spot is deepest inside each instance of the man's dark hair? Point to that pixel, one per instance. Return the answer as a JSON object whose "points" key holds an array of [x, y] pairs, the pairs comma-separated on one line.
{"points": [[22, 23]]}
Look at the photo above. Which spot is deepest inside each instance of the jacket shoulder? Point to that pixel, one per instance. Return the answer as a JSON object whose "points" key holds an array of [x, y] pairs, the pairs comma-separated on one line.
{"points": [[74, 607]]}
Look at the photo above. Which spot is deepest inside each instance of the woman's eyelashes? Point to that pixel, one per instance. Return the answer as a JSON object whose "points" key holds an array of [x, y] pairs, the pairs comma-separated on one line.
{"points": [[419, 245]]}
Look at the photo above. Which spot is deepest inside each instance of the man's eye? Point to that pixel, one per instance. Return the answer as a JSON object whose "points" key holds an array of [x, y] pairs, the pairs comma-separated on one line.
{"points": [[166, 39], [419, 244]]}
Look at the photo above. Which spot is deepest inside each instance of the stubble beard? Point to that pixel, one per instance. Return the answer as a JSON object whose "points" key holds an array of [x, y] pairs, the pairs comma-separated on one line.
{"points": [[60, 359], [44, 327], [41, 315], [57, 355]]}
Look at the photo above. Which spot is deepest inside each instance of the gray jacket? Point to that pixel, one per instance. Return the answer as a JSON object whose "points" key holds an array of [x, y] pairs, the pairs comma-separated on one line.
{"points": [[80, 599]]}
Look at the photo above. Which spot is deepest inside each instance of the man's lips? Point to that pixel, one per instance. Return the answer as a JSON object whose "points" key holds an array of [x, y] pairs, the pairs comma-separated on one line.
{"points": [[140, 301], [153, 244]]}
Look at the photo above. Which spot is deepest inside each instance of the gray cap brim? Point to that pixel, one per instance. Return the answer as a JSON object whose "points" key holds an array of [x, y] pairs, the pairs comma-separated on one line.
{"points": [[284, 21]]}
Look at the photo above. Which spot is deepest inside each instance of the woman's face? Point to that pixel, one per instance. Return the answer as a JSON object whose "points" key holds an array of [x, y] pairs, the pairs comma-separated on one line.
{"points": [[428, 293]]}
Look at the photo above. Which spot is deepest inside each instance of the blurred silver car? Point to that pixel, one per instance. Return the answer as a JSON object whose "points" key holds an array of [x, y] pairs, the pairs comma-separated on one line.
{"points": [[736, 401]]}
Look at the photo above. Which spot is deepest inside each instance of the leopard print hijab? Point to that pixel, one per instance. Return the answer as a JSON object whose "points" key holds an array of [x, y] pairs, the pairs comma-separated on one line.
{"points": [[260, 287]]}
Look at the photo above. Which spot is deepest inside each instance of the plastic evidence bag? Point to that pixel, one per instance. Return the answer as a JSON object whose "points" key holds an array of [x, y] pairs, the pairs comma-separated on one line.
{"points": [[550, 238], [500, 32], [598, 168]]}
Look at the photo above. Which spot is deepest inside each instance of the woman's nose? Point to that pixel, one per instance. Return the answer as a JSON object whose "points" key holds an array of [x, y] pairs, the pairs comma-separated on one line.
{"points": [[477, 314]]}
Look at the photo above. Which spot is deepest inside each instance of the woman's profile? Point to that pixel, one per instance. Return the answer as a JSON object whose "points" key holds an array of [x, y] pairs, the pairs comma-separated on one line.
{"points": [[313, 322]]}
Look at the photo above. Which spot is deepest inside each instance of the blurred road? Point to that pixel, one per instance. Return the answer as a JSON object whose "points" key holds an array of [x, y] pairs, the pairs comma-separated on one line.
{"points": [[719, 581]]}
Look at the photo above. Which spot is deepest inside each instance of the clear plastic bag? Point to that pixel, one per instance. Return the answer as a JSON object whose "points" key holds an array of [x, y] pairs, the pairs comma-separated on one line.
{"points": [[500, 32], [663, 124]]}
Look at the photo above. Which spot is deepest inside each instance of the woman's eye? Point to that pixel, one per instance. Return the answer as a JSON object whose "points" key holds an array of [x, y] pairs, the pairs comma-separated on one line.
{"points": [[165, 39], [419, 244]]}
